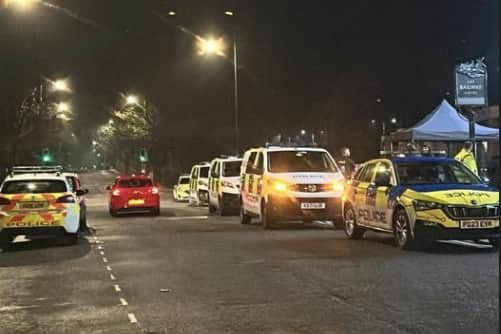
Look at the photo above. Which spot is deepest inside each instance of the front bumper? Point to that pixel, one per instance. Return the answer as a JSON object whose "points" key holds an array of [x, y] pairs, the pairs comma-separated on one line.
{"points": [[439, 232], [289, 208], [34, 231], [231, 200]]}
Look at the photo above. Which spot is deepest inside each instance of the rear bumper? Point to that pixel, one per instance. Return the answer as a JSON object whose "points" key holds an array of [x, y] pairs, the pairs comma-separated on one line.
{"points": [[438, 232], [289, 208]]}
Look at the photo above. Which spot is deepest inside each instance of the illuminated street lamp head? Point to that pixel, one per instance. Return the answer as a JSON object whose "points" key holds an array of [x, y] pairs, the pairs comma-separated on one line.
{"points": [[303, 132], [210, 46], [63, 107], [171, 13], [110, 122], [393, 120], [131, 99], [229, 13], [20, 4], [60, 86], [63, 117]]}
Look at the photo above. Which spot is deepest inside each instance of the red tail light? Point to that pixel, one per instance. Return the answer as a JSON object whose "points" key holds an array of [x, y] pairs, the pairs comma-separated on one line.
{"points": [[4, 201], [155, 191], [115, 192], [66, 199]]}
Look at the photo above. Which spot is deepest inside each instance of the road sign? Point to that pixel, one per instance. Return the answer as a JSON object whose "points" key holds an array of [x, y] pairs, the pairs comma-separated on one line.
{"points": [[471, 83]]}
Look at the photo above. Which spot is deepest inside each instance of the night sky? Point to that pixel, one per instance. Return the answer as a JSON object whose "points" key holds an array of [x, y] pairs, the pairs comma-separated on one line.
{"points": [[304, 64]]}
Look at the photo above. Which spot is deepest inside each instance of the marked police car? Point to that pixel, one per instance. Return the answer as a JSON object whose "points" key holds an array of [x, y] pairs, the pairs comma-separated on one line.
{"points": [[224, 185], [38, 203], [290, 183], [419, 200], [181, 190], [199, 184]]}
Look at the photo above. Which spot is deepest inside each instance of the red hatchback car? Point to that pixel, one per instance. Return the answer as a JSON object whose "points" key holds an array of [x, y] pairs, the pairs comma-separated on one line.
{"points": [[134, 194]]}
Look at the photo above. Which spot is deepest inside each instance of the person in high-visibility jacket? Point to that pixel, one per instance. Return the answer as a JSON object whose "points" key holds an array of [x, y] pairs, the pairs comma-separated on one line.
{"points": [[467, 158]]}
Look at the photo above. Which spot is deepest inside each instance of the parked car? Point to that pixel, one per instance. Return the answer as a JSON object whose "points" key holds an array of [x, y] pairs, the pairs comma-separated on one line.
{"points": [[134, 194]]}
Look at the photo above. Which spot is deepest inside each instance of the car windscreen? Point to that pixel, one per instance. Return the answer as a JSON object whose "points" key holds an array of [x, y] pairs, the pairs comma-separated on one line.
{"points": [[204, 172], [135, 183], [300, 161], [34, 187], [184, 180], [434, 172], [232, 168]]}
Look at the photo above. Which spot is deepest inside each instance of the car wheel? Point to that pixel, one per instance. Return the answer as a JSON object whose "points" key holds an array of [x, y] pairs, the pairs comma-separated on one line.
{"points": [[83, 221], [113, 213], [155, 212], [352, 230], [244, 217], [174, 195], [266, 219], [402, 231], [72, 238], [223, 206], [494, 242], [212, 208]]}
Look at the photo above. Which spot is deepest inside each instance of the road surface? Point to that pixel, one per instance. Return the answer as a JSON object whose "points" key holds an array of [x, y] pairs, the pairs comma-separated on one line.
{"points": [[188, 272]]}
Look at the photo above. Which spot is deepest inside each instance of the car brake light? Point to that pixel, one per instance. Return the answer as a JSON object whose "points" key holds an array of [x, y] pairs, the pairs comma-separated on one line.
{"points": [[116, 192], [154, 190], [4, 201], [66, 199]]}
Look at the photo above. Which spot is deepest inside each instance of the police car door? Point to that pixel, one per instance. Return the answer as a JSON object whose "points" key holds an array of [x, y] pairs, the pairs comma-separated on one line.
{"points": [[378, 196], [361, 193], [214, 180], [194, 180], [249, 195]]}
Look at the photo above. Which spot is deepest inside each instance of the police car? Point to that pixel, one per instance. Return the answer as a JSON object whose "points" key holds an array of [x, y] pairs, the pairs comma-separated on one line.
{"points": [[224, 185], [199, 184], [280, 183], [419, 200], [181, 190], [38, 203]]}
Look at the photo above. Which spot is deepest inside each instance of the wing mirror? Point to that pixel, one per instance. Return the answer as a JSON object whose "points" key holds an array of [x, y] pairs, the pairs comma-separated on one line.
{"points": [[108, 188]]}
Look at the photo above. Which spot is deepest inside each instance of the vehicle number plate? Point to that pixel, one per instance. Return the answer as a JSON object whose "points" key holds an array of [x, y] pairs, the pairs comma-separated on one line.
{"points": [[32, 205], [136, 202], [312, 205], [471, 224]]}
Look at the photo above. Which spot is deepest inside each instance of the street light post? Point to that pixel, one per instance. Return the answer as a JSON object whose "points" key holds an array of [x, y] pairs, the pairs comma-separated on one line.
{"points": [[235, 98]]}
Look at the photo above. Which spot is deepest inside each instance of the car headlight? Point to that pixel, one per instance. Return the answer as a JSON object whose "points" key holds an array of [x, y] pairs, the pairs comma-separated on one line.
{"points": [[426, 205], [338, 186], [280, 186]]}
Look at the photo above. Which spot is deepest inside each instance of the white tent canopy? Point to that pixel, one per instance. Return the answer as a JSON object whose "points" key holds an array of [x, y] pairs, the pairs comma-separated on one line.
{"points": [[444, 124]]}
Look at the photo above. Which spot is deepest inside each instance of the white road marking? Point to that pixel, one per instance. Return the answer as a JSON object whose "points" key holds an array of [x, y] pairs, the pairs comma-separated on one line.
{"points": [[100, 247], [108, 268], [102, 253], [183, 218], [466, 243], [105, 260], [123, 302], [112, 277], [132, 318], [117, 287]]}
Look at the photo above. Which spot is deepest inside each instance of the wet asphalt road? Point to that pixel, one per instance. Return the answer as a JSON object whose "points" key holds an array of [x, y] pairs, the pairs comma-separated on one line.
{"points": [[187, 272]]}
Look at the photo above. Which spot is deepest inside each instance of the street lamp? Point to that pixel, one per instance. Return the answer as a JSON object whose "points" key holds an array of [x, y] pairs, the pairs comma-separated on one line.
{"points": [[210, 46], [131, 100], [20, 4], [110, 122], [60, 86], [63, 107], [171, 13]]}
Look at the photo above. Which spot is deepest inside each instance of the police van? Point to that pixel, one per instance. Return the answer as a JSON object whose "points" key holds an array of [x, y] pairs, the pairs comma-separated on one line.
{"points": [[224, 185], [282, 183], [421, 199], [38, 201], [199, 184]]}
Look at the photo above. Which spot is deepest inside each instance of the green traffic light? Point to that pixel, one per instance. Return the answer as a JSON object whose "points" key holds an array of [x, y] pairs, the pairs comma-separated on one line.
{"points": [[46, 158]]}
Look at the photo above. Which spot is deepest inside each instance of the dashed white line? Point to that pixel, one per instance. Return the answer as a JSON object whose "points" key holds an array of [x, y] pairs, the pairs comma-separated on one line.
{"points": [[108, 268], [100, 247], [132, 318], [112, 277], [117, 287], [105, 260], [123, 302], [101, 252]]}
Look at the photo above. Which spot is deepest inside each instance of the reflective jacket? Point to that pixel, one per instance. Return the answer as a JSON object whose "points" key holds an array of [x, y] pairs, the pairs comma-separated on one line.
{"points": [[468, 159]]}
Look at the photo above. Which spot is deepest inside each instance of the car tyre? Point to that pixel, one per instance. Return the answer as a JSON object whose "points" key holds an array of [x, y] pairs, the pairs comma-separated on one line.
{"points": [[402, 231], [5, 242], [223, 206], [113, 213], [266, 220], [212, 208], [351, 229], [72, 238], [245, 219], [156, 212]]}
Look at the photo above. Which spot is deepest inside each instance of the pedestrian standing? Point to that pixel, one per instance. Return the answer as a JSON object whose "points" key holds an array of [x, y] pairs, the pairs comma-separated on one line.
{"points": [[467, 158], [347, 163]]}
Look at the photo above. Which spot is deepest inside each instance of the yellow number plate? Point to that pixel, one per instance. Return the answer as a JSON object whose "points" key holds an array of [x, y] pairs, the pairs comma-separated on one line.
{"points": [[480, 223], [136, 202]]}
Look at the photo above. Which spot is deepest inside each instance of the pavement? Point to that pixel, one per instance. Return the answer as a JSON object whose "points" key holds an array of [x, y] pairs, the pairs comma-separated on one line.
{"points": [[190, 272]]}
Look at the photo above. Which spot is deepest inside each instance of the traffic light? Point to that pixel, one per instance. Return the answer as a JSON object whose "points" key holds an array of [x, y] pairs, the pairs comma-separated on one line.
{"points": [[143, 155], [46, 157]]}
